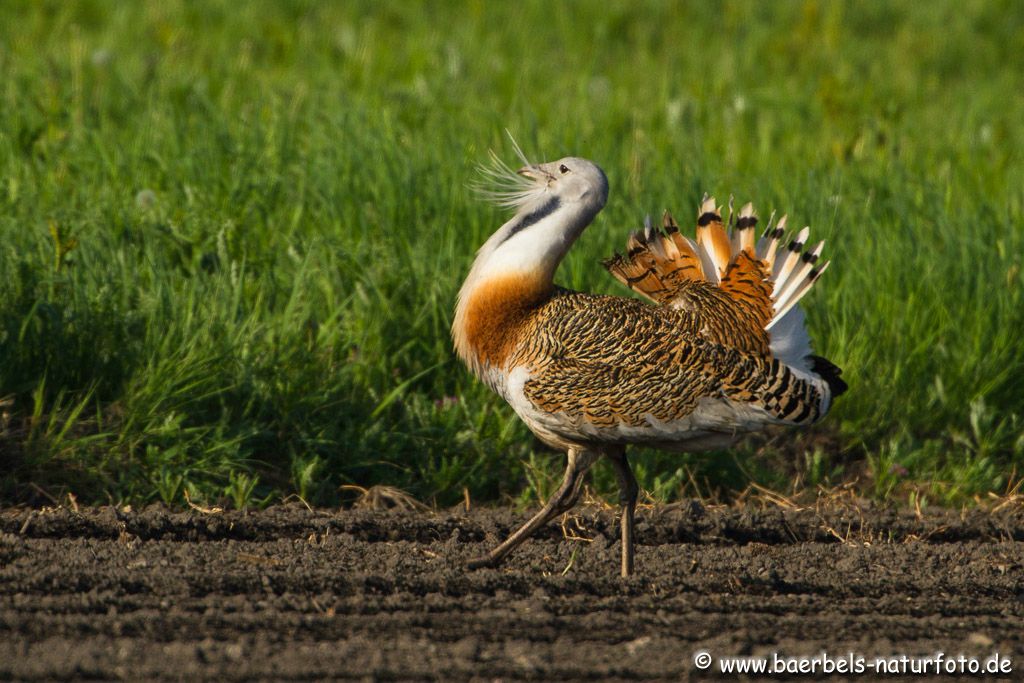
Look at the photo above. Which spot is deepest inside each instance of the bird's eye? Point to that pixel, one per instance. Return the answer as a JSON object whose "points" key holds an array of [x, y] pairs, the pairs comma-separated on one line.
{"points": [[564, 169]]}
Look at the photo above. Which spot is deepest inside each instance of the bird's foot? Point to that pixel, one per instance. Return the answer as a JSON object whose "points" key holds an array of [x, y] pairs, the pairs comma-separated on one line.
{"points": [[484, 562]]}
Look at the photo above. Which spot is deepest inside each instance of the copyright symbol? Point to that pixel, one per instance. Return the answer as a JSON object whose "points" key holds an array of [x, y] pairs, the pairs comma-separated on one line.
{"points": [[702, 660]]}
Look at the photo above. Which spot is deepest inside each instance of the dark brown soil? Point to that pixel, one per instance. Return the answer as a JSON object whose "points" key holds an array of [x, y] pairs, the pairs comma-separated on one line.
{"points": [[291, 594]]}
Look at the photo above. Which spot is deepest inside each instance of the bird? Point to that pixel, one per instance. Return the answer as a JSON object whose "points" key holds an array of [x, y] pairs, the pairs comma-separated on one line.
{"points": [[718, 350]]}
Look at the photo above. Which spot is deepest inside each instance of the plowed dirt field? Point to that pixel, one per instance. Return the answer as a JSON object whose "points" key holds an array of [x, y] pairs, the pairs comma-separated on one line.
{"points": [[290, 594]]}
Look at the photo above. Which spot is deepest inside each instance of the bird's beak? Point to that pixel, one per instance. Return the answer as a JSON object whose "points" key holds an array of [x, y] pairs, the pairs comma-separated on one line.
{"points": [[528, 172], [535, 173]]}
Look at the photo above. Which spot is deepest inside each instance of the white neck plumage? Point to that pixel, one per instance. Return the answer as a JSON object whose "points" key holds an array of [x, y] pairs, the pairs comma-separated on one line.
{"points": [[533, 243], [511, 278]]}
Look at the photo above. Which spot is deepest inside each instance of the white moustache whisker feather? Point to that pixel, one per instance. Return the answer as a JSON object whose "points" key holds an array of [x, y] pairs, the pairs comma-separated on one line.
{"points": [[501, 185]]}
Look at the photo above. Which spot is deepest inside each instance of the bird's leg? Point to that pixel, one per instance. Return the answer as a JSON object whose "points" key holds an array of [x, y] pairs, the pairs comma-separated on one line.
{"points": [[628, 491], [562, 501]]}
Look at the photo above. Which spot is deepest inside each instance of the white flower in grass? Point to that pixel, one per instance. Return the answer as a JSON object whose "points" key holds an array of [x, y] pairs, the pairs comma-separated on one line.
{"points": [[145, 199], [101, 57]]}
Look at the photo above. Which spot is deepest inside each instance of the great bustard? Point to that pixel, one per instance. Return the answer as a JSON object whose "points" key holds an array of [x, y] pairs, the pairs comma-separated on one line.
{"points": [[725, 351]]}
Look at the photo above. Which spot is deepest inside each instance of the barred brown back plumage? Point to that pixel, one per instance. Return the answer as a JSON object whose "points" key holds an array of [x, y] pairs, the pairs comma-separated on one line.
{"points": [[611, 360]]}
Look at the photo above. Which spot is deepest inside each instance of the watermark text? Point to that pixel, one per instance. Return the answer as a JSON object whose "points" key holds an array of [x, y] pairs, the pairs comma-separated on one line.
{"points": [[852, 663]]}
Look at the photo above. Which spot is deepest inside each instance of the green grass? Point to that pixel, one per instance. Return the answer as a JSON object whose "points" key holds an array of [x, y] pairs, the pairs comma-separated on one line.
{"points": [[231, 234]]}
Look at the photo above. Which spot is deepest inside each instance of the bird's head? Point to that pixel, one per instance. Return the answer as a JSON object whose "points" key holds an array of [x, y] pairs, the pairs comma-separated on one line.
{"points": [[554, 202], [572, 180], [568, 181]]}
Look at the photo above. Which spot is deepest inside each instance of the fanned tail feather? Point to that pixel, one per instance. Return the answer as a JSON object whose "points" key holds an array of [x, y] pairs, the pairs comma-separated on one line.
{"points": [[716, 251], [770, 242], [658, 261], [657, 264], [743, 233], [766, 275], [784, 267], [829, 372]]}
